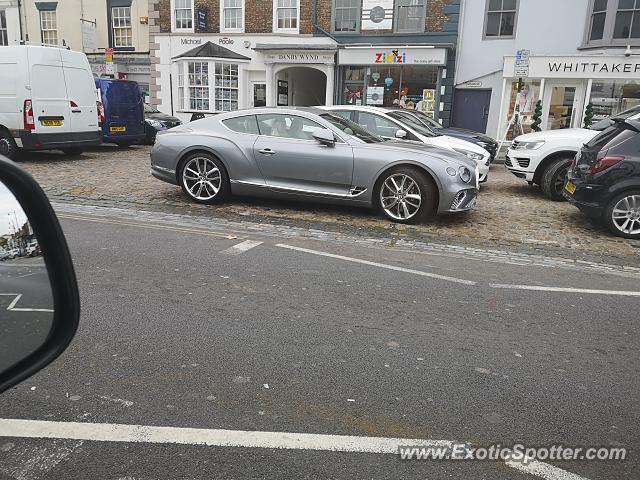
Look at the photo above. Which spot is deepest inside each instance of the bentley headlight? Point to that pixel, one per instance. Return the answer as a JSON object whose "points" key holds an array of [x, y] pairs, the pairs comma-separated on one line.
{"points": [[465, 174], [469, 154]]}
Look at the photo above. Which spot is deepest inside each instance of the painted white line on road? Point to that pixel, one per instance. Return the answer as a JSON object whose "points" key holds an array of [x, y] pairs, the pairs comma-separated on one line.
{"points": [[241, 247], [111, 432], [542, 288], [12, 306], [26, 275], [380, 265]]}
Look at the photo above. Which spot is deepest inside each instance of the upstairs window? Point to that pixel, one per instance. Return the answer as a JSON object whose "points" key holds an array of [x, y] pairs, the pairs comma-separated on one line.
{"points": [[183, 15], [286, 15], [500, 21], [232, 18], [4, 36], [627, 20], [410, 15], [346, 15], [49, 27], [121, 26], [598, 17], [613, 23]]}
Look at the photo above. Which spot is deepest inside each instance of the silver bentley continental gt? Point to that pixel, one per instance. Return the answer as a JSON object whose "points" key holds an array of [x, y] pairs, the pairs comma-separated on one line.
{"points": [[312, 155]]}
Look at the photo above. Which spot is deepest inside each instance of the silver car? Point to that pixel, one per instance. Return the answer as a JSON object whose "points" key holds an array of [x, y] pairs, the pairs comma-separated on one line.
{"points": [[312, 155]]}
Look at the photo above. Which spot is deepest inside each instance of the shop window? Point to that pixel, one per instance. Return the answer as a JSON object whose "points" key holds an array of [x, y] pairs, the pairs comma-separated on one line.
{"points": [[525, 99], [346, 15], [4, 37], [121, 27], [610, 97], [232, 17], [410, 15], [49, 27], [613, 23], [627, 20], [198, 86], [182, 15], [286, 15], [180, 87], [226, 92], [500, 20]]}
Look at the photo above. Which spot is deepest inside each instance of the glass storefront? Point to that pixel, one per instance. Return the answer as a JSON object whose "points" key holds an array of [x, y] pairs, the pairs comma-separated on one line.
{"points": [[609, 97], [402, 86], [525, 101]]}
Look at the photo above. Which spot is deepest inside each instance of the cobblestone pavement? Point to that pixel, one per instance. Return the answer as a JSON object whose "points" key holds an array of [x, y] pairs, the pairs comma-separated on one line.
{"points": [[509, 214]]}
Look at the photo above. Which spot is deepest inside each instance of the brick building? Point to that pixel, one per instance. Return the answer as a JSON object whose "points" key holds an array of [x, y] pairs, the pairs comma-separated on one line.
{"points": [[212, 55]]}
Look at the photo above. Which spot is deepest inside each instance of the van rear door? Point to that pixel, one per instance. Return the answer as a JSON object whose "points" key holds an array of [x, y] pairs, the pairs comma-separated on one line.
{"points": [[51, 109], [81, 91], [124, 108]]}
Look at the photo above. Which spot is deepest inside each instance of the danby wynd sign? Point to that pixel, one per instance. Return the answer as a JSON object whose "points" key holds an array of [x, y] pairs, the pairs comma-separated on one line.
{"points": [[300, 57]]}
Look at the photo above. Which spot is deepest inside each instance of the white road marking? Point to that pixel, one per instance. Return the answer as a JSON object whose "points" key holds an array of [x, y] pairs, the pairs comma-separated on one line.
{"points": [[12, 306], [542, 288], [380, 265], [33, 462], [241, 247], [110, 432]]}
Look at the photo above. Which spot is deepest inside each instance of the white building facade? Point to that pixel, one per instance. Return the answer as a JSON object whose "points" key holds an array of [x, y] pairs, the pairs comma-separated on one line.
{"points": [[582, 52], [10, 31]]}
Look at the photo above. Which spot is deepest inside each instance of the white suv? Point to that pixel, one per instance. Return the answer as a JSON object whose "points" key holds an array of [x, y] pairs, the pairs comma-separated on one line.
{"points": [[543, 158]]}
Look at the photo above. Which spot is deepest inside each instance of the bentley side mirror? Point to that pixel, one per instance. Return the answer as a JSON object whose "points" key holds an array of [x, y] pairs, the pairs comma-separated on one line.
{"points": [[401, 134], [324, 136], [39, 303]]}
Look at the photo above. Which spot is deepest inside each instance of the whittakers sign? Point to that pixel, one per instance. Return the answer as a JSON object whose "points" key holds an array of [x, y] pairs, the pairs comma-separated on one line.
{"points": [[577, 67]]}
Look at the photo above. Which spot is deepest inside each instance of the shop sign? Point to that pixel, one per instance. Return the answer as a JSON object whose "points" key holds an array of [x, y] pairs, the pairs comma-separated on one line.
{"points": [[190, 41], [377, 15], [595, 67], [300, 57], [375, 95], [392, 56], [522, 63], [283, 93], [202, 19]]}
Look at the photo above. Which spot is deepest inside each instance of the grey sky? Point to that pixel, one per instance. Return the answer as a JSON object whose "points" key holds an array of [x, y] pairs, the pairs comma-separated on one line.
{"points": [[8, 205]]}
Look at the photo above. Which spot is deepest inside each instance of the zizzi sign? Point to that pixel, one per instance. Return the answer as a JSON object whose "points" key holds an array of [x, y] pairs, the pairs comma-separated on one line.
{"points": [[392, 56], [595, 67]]}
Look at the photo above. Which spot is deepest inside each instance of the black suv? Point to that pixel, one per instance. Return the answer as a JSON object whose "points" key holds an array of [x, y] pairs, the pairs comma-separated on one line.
{"points": [[604, 179]]}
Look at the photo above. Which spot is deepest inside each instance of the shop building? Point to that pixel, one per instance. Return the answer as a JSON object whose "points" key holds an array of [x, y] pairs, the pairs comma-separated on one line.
{"points": [[219, 55], [587, 53]]}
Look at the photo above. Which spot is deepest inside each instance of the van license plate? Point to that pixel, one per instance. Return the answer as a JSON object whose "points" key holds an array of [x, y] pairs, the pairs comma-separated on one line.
{"points": [[117, 129], [52, 123], [570, 187]]}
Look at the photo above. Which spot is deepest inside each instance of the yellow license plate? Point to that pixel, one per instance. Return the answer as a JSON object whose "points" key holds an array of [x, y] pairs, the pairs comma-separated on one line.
{"points": [[570, 187], [117, 129], [52, 123]]}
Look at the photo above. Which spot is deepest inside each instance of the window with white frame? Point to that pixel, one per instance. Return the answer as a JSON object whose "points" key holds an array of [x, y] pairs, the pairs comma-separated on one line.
{"points": [[49, 27], [500, 20], [207, 85], [286, 15], [183, 14], [410, 15], [121, 27], [232, 18], [613, 23], [4, 35], [346, 15]]}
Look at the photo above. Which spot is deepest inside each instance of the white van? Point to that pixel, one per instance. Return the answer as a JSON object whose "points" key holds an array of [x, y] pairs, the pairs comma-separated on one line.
{"points": [[47, 100]]}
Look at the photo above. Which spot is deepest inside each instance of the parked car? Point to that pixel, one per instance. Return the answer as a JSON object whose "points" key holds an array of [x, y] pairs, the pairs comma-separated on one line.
{"points": [[31, 249], [393, 123], [156, 121], [480, 139], [313, 155], [543, 158], [607, 122], [604, 180], [47, 100], [121, 111]]}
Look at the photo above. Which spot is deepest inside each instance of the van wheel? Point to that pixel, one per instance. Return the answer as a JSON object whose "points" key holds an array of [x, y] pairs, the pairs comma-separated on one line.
{"points": [[72, 152], [553, 178], [8, 146]]}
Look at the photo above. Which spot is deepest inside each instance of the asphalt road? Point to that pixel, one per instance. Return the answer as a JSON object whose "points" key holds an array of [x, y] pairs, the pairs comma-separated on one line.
{"points": [[26, 308], [182, 328]]}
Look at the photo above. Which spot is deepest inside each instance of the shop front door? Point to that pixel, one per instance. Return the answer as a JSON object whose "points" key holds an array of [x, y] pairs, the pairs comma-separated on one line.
{"points": [[562, 105]]}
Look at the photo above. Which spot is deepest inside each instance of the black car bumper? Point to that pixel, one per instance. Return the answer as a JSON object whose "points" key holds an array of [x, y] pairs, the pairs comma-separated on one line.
{"points": [[45, 141], [590, 198]]}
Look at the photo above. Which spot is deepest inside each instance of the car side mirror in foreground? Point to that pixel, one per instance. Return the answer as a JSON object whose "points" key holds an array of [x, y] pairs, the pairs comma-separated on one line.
{"points": [[401, 134], [324, 136], [39, 303]]}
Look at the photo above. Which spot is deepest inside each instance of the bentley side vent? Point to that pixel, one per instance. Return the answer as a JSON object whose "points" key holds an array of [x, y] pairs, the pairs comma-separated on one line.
{"points": [[356, 191]]}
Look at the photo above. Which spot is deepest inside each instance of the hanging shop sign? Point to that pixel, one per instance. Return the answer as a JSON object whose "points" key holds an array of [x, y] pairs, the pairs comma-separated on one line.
{"points": [[283, 93], [202, 18], [377, 15], [392, 56]]}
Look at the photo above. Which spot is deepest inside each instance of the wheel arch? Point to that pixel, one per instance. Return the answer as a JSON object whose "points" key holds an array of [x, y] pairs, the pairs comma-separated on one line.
{"points": [[542, 166], [407, 163]]}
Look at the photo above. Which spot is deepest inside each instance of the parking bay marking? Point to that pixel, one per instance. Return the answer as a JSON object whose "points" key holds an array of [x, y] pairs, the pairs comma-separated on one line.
{"points": [[542, 288], [109, 432], [241, 247], [12, 306]]}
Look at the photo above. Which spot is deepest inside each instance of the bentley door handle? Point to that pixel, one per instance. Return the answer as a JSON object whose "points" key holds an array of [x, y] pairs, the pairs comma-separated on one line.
{"points": [[267, 151]]}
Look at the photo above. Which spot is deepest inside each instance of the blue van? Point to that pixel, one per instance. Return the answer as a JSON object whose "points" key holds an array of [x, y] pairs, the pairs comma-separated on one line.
{"points": [[121, 111]]}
